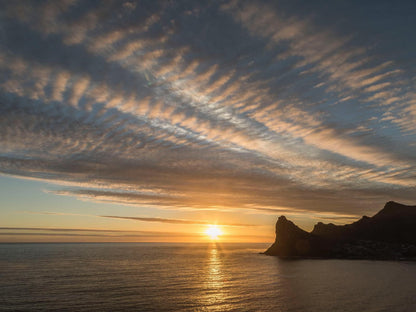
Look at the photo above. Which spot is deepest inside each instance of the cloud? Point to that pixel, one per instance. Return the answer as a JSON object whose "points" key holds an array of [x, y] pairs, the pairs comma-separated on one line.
{"points": [[205, 106], [174, 221], [56, 229], [21, 234], [98, 233]]}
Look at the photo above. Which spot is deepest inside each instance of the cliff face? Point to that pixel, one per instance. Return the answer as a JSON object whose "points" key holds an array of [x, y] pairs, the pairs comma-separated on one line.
{"points": [[389, 234]]}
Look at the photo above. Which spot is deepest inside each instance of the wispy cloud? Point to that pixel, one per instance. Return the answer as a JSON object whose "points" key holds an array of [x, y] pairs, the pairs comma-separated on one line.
{"points": [[176, 221], [58, 229], [233, 105], [102, 234]]}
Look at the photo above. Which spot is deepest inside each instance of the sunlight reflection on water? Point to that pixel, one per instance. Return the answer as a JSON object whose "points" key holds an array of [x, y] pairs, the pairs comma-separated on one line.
{"points": [[214, 290]]}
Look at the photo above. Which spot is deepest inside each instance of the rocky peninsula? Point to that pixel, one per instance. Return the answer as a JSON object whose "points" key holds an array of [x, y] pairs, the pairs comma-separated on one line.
{"points": [[388, 235]]}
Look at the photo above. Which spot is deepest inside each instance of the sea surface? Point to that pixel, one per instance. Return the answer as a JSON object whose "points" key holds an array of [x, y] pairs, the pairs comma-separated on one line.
{"points": [[194, 277]]}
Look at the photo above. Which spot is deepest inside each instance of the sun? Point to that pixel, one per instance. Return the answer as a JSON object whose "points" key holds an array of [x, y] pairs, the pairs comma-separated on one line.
{"points": [[213, 231]]}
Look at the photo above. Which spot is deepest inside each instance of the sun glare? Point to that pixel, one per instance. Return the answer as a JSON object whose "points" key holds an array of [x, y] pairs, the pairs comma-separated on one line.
{"points": [[213, 231]]}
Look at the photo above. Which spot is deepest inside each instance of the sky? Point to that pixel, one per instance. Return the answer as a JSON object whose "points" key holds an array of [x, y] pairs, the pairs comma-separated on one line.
{"points": [[150, 120]]}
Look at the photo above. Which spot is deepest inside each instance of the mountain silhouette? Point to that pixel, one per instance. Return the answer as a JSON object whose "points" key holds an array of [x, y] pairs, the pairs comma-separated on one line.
{"points": [[388, 235]]}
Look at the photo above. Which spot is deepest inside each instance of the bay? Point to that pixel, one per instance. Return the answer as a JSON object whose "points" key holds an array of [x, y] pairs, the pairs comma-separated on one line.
{"points": [[194, 277]]}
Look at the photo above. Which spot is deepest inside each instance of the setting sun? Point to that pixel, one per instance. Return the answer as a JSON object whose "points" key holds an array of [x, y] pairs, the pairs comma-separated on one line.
{"points": [[213, 232]]}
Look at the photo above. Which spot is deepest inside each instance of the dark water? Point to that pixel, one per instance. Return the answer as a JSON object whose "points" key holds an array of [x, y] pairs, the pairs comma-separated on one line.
{"points": [[190, 277]]}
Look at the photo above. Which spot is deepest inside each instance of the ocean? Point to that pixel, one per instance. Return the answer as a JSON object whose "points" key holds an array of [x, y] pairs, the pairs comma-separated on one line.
{"points": [[194, 277]]}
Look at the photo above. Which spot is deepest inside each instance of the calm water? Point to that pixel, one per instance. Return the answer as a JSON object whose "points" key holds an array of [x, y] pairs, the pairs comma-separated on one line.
{"points": [[189, 277]]}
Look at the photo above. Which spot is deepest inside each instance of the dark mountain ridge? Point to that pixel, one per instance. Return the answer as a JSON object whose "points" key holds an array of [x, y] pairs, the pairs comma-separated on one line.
{"points": [[389, 234]]}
